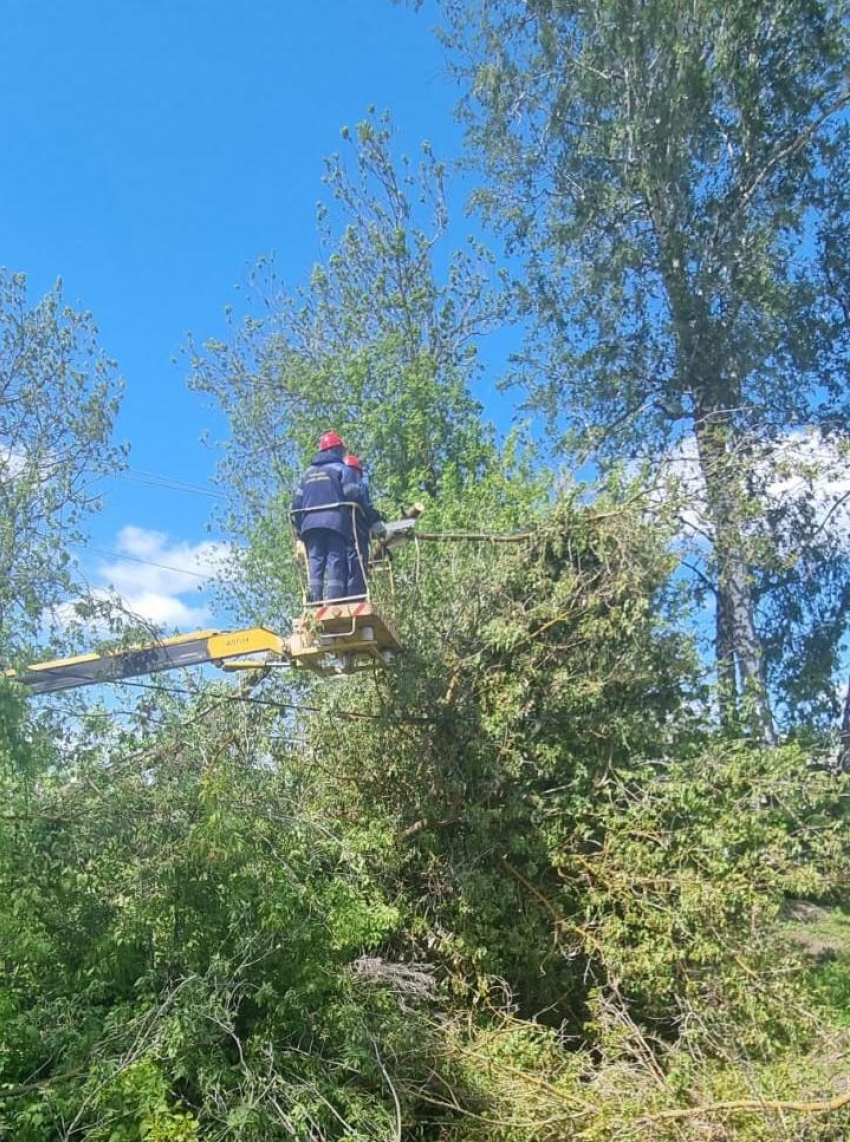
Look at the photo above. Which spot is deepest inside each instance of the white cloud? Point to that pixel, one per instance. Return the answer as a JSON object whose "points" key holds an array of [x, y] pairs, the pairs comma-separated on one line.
{"points": [[157, 579], [679, 476], [803, 468], [808, 466], [35, 466], [160, 578], [167, 611], [12, 462]]}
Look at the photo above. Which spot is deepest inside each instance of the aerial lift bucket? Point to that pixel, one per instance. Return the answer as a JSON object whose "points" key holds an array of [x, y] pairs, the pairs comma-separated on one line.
{"points": [[331, 637], [343, 635]]}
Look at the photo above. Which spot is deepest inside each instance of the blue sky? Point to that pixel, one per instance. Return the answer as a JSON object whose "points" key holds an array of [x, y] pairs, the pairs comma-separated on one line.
{"points": [[153, 149]]}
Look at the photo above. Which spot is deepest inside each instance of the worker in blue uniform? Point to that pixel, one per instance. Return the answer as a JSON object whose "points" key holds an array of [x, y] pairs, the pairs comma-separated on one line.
{"points": [[367, 519], [322, 516]]}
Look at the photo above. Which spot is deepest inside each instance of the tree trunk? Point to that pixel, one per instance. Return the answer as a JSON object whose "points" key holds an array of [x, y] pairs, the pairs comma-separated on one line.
{"points": [[738, 643], [734, 583], [727, 686], [844, 747]]}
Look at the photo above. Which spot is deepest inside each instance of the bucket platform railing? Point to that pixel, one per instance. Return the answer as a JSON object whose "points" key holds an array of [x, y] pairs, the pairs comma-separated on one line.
{"points": [[348, 632]]}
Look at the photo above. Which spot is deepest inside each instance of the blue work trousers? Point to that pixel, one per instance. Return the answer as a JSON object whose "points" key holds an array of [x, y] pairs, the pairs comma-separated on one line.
{"points": [[327, 563], [357, 567]]}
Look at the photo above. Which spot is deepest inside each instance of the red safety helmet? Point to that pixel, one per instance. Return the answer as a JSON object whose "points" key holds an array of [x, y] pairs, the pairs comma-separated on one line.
{"points": [[353, 461], [330, 440]]}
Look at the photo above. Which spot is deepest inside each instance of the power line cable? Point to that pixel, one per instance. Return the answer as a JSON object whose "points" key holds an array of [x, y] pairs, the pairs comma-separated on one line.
{"points": [[160, 480], [299, 707], [169, 483], [273, 703], [190, 485], [147, 562]]}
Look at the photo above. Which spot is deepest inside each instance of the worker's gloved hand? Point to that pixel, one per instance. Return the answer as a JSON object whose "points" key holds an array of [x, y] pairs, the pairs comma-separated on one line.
{"points": [[378, 528], [300, 551]]}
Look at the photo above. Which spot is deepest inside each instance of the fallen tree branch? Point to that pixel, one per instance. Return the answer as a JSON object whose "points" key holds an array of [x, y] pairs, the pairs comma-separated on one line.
{"points": [[396, 1104], [476, 536], [822, 1106], [40, 1084], [561, 923]]}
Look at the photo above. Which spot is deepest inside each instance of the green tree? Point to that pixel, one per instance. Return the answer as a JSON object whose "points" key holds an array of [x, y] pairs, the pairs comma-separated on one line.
{"points": [[510, 883], [58, 399], [668, 171], [380, 345], [179, 936], [534, 671]]}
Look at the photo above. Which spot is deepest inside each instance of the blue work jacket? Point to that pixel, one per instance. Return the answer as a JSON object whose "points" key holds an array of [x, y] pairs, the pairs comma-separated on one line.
{"points": [[325, 483], [367, 513]]}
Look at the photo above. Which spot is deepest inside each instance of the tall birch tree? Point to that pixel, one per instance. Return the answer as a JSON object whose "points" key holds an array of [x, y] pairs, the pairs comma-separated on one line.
{"points": [[667, 171]]}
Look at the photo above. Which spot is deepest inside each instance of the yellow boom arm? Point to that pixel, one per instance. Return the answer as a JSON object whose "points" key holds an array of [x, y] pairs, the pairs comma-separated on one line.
{"points": [[332, 638], [167, 654]]}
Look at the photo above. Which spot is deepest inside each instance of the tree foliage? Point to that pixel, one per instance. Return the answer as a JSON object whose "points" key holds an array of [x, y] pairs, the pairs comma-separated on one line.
{"points": [[380, 345], [521, 886], [58, 399], [513, 885], [670, 173]]}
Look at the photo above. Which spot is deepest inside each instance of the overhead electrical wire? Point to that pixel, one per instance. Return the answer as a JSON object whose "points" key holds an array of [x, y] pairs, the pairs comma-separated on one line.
{"points": [[172, 483], [299, 707], [167, 483], [438, 537], [176, 482], [147, 562], [160, 480], [273, 703]]}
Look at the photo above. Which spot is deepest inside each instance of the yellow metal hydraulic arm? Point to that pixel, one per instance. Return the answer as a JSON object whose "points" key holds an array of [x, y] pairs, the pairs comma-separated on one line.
{"points": [[334, 638], [192, 649]]}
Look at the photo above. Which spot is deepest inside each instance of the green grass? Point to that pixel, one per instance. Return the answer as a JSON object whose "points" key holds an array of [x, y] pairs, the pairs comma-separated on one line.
{"points": [[823, 935]]}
